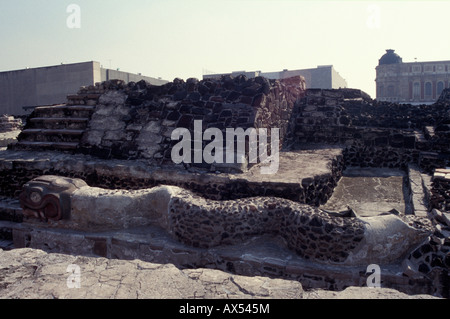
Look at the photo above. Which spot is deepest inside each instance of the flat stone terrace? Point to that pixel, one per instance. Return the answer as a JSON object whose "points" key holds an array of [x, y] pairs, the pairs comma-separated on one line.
{"points": [[370, 191]]}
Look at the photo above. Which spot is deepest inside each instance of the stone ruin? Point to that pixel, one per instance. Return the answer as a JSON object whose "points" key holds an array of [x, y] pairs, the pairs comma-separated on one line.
{"points": [[95, 177], [10, 128]]}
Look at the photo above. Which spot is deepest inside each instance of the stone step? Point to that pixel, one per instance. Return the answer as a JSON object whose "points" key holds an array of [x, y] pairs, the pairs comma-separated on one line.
{"points": [[83, 99], [59, 119], [84, 96], [51, 135], [57, 123], [53, 131], [58, 127], [65, 107], [46, 145], [64, 111]]}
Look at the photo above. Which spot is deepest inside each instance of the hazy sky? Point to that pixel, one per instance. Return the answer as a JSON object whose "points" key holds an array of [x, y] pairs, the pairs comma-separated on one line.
{"points": [[185, 38]]}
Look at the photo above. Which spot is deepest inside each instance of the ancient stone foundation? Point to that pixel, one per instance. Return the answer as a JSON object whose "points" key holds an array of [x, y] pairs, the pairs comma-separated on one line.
{"points": [[375, 134], [133, 201], [142, 117]]}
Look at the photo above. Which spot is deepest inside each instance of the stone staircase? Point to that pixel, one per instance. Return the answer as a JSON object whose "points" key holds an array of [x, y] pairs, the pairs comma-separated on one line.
{"points": [[58, 127], [53, 127]]}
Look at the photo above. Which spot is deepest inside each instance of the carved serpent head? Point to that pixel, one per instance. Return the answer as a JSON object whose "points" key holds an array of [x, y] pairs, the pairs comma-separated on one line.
{"points": [[48, 197]]}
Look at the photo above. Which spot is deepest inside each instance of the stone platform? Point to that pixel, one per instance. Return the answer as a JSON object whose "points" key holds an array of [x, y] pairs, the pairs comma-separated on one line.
{"points": [[306, 176]]}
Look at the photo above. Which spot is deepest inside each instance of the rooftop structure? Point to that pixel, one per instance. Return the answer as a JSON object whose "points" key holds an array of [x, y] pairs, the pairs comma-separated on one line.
{"points": [[322, 77], [410, 82], [20, 89]]}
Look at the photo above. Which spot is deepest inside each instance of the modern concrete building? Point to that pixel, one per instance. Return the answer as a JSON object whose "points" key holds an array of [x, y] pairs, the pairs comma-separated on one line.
{"points": [[411, 82], [51, 85], [322, 77]]}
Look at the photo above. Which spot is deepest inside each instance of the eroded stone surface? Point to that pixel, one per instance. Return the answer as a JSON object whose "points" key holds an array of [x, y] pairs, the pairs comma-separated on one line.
{"points": [[34, 274]]}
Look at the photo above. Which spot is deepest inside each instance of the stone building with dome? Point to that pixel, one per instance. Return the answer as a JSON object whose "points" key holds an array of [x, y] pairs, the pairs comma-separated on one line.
{"points": [[410, 82]]}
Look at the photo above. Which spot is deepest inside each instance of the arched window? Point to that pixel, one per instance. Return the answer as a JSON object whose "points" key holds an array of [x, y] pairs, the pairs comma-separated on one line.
{"points": [[440, 88], [428, 89], [380, 91], [416, 90], [390, 91]]}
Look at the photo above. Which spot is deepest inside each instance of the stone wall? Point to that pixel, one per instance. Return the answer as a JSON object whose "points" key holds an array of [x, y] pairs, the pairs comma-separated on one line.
{"points": [[306, 177], [440, 192], [375, 134], [308, 231], [142, 117]]}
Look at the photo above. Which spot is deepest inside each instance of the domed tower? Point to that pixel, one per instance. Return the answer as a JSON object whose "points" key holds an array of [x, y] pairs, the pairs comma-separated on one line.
{"points": [[387, 81], [390, 58]]}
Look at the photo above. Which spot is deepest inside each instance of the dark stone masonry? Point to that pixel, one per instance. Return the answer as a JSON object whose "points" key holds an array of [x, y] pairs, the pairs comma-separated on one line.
{"points": [[308, 231], [142, 117], [117, 138], [375, 134]]}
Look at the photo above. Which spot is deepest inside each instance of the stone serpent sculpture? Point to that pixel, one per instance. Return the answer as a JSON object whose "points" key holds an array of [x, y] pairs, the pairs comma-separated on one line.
{"points": [[311, 232]]}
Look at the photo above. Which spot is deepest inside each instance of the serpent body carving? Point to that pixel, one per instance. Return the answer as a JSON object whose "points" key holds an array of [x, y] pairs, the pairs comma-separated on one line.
{"points": [[308, 231]]}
